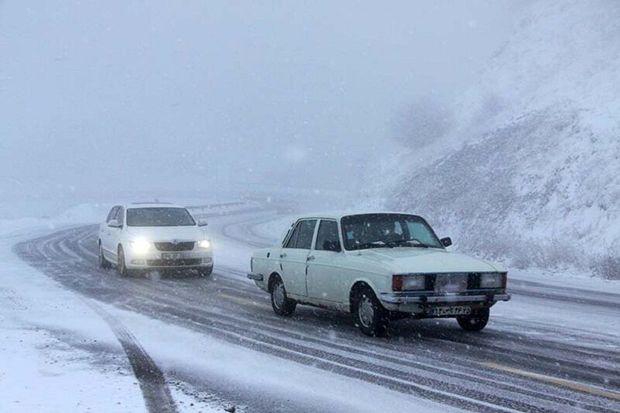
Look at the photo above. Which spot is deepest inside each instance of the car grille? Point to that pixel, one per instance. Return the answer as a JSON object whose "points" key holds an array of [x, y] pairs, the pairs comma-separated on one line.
{"points": [[454, 282], [175, 246], [174, 263], [451, 283]]}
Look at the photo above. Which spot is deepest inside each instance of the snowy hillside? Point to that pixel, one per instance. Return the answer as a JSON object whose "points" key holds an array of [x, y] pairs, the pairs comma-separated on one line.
{"points": [[529, 168]]}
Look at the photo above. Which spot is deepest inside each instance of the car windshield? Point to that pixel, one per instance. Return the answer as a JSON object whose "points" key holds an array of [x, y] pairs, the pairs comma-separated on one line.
{"points": [[159, 217], [387, 231]]}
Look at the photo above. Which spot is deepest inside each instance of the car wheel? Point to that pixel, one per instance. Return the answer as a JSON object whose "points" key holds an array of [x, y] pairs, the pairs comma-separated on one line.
{"points": [[103, 263], [205, 271], [368, 313], [121, 267], [281, 304], [474, 322]]}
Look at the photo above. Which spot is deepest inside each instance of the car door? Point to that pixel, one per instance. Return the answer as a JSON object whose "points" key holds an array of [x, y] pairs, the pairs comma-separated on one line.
{"points": [[115, 233], [325, 281], [106, 232], [294, 257]]}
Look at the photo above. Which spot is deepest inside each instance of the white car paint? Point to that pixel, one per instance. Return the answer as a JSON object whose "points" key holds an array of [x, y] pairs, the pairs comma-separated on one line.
{"points": [[326, 278], [115, 234]]}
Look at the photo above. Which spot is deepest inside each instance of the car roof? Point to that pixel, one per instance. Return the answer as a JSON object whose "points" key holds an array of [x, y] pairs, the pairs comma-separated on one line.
{"points": [[152, 205], [339, 215]]}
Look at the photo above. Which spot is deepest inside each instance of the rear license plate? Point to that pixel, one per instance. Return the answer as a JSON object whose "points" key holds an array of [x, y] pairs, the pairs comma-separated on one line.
{"points": [[172, 256], [454, 310]]}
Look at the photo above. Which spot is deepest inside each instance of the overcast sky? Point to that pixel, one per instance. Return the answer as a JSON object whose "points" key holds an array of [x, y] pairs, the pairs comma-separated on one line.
{"points": [[100, 96]]}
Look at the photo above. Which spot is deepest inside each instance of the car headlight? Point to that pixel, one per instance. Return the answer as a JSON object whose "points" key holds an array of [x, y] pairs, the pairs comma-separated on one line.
{"points": [[405, 282], [140, 245], [492, 280], [204, 244]]}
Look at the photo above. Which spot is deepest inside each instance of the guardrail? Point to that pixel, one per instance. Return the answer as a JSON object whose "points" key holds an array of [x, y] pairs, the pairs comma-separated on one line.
{"points": [[202, 211]]}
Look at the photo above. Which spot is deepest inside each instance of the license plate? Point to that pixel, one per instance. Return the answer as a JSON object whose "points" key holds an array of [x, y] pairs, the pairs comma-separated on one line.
{"points": [[171, 255], [454, 310]]}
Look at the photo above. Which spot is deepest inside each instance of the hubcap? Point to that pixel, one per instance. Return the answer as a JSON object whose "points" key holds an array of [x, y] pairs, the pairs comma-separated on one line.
{"points": [[366, 311], [278, 295]]}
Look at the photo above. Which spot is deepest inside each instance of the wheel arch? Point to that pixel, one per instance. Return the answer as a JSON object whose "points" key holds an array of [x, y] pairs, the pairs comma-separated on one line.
{"points": [[358, 285], [272, 278]]}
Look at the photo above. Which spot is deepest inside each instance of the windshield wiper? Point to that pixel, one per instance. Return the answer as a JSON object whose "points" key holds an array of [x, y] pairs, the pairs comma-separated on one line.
{"points": [[411, 242], [374, 244]]}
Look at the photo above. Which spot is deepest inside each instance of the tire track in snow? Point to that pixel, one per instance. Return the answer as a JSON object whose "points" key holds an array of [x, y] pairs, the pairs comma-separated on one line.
{"points": [[155, 390], [153, 385]]}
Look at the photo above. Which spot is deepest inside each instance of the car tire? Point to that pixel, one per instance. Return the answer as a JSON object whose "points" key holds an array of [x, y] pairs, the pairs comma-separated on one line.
{"points": [[205, 271], [121, 267], [368, 313], [281, 304], [103, 263], [474, 322]]}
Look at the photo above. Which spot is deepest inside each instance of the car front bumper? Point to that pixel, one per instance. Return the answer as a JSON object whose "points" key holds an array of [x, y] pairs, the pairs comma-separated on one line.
{"points": [[415, 303], [157, 259]]}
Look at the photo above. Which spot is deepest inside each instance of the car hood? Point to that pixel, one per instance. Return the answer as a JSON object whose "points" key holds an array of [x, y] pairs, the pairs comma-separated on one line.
{"points": [[408, 260], [186, 233]]}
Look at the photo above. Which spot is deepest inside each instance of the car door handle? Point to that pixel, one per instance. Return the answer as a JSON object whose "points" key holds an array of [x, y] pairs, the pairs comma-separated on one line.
{"points": [[283, 255], [311, 257]]}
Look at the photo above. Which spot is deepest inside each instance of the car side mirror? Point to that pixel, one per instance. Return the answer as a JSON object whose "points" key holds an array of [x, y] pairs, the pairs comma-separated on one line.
{"points": [[202, 223], [114, 223], [446, 242], [332, 246]]}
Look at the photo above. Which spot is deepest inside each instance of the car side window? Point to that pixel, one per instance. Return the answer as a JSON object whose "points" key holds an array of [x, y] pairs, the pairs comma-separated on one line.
{"points": [[112, 214], [306, 233], [292, 240], [327, 237]]}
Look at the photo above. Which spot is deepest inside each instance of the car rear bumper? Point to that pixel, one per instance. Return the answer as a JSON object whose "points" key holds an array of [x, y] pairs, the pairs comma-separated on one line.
{"points": [[259, 279], [255, 276]]}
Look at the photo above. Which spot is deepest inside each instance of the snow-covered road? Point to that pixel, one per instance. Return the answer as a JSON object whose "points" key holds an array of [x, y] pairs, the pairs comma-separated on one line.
{"points": [[217, 339]]}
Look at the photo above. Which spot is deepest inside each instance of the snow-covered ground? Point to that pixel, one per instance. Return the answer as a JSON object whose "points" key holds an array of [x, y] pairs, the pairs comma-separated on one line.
{"points": [[235, 366], [58, 354]]}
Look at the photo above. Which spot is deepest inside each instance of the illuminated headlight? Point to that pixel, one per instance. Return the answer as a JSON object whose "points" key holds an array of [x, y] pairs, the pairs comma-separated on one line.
{"points": [[140, 246], [408, 282], [492, 280], [204, 244]]}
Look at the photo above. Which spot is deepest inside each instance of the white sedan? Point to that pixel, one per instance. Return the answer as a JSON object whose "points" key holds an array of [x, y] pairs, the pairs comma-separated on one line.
{"points": [[154, 236], [378, 266]]}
